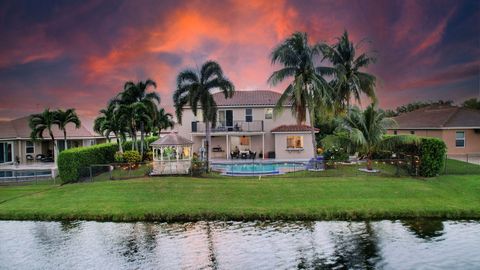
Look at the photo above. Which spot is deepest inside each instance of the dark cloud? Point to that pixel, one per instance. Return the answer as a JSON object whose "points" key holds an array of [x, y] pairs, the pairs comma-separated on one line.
{"points": [[79, 53]]}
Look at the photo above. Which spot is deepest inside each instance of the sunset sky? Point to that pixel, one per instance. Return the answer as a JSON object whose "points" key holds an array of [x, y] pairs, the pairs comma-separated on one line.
{"points": [[63, 54]]}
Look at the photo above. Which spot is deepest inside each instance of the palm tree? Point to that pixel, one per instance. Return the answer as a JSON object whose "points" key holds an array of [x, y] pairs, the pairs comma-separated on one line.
{"points": [[195, 89], [108, 122], [163, 120], [43, 122], [364, 132], [348, 78], [308, 90], [63, 118], [139, 106]]}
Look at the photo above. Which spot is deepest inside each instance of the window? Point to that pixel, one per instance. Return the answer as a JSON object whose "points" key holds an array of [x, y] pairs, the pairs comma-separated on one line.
{"points": [[30, 147], [6, 152], [294, 142], [412, 132], [269, 113], [248, 115], [460, 139], [395, 132]]}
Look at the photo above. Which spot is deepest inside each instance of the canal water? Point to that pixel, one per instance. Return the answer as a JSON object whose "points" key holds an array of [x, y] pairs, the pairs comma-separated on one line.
{"points": [[413, 244]]}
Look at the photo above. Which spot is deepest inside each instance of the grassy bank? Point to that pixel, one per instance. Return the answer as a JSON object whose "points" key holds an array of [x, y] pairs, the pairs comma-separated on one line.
{"points": [[302, 196]]}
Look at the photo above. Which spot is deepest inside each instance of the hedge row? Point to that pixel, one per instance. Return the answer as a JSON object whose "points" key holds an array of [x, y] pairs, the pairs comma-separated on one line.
{"points": [[431, 152], [432, 156], [71, 162]]}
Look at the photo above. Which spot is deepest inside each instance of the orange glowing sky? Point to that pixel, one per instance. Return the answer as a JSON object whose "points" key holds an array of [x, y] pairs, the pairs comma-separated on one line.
{"points": [[79, 53]]}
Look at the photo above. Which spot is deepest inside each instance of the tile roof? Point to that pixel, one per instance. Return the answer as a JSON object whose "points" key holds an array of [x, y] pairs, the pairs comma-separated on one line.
{"points": [[19, 128], [248, 98], [437, 117], [293, 128]]}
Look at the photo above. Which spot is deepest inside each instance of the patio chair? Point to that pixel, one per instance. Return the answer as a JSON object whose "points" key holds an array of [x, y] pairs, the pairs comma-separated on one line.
{"points": [[233, 154], [29, 158], [252, 155], [244, 156], [39, 157]]}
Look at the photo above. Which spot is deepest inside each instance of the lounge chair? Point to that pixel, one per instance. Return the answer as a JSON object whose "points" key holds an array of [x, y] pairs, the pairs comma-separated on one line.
{"points": [[252, 155]]}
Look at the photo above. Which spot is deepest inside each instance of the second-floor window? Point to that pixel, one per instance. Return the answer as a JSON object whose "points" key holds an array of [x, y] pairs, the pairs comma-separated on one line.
{"points": [[248, 115], [30, 147], [269, 113]]}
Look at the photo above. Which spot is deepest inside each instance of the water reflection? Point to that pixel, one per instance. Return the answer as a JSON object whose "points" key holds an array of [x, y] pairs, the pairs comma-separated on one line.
{"points": [[425, 229], [240, 245]]}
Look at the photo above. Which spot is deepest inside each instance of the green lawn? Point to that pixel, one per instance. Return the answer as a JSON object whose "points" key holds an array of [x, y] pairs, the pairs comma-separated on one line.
{"points": [[293, 196]]}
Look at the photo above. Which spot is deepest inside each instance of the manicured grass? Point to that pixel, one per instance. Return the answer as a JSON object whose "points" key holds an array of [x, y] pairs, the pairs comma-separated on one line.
{"points": [[453, 166], [299, 196]]}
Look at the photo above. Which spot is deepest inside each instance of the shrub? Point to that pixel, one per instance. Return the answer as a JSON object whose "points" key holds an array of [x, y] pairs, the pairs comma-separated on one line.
{"points": [[119, 157], [132, 157], [335, 154], [430, 152], [148, 156], [72, 161], [432, 156]]}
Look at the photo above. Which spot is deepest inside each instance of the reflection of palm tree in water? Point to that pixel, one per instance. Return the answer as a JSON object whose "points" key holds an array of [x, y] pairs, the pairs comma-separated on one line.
{"points": [[211, 248], [354, 248], [424, 228]]}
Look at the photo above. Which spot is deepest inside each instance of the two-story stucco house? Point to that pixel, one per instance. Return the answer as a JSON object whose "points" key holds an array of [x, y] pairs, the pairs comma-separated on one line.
{"points": [[246, 122]]}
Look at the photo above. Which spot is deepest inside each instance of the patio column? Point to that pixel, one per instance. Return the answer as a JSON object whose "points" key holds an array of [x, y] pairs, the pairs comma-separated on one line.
{"points": [[176, 152], [263, 146], [228, 148], [161, 153]]}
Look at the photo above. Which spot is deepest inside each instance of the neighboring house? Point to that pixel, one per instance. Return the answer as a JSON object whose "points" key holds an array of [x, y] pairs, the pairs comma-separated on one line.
{"points": [[458, 127], [247, 122], [15, 140]]}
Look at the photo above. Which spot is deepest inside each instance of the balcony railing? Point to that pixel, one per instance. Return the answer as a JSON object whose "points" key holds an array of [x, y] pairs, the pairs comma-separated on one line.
{"points": [[238, 126]]}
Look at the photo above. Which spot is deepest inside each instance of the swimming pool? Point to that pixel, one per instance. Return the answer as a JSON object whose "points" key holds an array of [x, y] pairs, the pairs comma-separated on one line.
{"points": [[242, 169]]}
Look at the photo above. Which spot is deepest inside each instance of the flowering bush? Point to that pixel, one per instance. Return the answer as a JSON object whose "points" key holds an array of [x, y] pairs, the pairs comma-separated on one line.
{"points": [[335, 154]]}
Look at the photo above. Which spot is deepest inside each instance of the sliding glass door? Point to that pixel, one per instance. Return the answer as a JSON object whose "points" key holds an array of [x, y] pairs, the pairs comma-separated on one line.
{"points": [[6, 152]]}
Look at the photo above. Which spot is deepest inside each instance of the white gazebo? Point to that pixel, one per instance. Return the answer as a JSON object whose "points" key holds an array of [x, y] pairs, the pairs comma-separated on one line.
{"points": [[172, 154]]}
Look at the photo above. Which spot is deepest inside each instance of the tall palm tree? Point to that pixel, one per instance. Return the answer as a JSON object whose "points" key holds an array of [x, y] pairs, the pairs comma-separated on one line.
{"points": [[308, 90], [63, 118], [42, 122], [109, 122], [348, 79], [142, 104], [194, 88], [163, 120], [364, 132]]}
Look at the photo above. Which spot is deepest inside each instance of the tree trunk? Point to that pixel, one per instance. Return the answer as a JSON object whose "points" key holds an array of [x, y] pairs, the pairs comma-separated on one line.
{"points": [[369, 163], [65, 138], [134, 139], [55, 148], [314, 140], [207, 147], [142, 138], [119, 142]]}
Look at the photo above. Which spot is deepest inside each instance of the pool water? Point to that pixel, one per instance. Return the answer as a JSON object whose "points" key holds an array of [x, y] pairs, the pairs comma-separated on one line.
{"points": [[258, 168]]}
